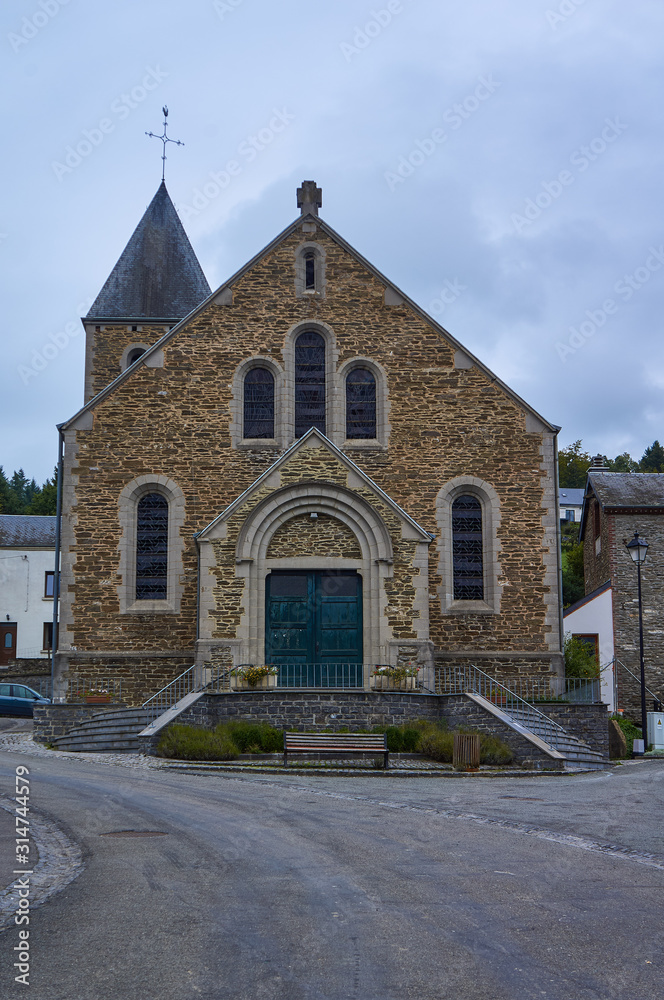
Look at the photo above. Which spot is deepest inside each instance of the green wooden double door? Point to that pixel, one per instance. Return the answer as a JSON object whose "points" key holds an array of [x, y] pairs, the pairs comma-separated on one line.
{"points": [[314, 628]]}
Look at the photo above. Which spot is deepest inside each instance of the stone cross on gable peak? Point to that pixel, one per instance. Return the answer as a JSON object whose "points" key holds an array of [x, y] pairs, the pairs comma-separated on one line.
{"points": [[309, 198]]}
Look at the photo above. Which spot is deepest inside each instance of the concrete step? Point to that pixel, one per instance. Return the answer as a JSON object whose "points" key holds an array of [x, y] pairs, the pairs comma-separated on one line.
{"points": [[101, 746], [113, 731]]}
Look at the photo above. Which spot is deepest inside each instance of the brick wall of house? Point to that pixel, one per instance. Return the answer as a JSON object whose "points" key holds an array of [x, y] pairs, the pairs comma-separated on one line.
{"points": [[176, 421]]}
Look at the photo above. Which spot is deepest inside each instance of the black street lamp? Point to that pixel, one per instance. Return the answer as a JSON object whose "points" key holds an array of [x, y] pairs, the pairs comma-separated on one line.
{"points": [[638, 549]]}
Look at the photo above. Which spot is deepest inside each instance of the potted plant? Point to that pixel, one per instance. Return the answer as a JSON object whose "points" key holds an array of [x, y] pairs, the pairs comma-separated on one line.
{"points": [[249, 676], [401, 678], [97, 696]]}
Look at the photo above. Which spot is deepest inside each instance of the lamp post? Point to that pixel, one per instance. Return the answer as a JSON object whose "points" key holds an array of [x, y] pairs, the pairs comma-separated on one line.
{"points": [[638, 549]]}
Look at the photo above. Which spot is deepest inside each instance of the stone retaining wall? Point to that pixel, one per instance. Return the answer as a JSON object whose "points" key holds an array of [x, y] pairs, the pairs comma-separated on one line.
{"points": [[589, 722], [51, 721], [362, 710], [459, 710]]}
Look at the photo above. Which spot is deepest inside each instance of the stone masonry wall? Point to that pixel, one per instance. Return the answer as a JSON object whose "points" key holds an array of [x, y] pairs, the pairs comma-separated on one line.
{"points": [[51, 721], [358, 710], [596, 565], [175, 421], [459, 710], [320, 536], [589, 722], [626, 608], [140, 676]]}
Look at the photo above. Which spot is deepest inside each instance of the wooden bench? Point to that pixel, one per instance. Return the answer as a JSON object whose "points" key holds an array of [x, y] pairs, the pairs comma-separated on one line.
{"points": [[337, 745]]}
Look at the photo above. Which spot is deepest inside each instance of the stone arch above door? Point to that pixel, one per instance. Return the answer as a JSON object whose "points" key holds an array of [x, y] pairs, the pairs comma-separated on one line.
{"points": [[268, 528]]}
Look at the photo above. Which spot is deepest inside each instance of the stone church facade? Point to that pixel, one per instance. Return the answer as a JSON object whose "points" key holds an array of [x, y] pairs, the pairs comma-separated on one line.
{"points": [[300, 468]]}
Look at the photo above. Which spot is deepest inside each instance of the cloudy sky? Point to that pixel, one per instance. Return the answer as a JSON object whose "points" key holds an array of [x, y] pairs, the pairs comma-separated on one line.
{"points": [[500, 162]]}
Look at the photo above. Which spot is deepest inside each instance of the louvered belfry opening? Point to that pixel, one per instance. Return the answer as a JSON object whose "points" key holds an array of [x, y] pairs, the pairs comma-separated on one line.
{"points": [[309, 383], [467, 549], [152, 548]]}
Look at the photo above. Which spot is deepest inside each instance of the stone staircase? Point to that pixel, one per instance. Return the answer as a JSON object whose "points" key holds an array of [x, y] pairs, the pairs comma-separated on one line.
{"points": [[575, 751], [111, 731]]}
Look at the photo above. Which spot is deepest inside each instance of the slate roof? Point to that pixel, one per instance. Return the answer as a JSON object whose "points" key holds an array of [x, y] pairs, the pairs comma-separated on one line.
{"points": [[628, 489], [571, 496], [158, 276], [18, 531]]}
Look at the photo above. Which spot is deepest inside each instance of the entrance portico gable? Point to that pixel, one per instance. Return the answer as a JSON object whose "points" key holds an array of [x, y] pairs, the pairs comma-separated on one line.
{"points": [[316, 512]]}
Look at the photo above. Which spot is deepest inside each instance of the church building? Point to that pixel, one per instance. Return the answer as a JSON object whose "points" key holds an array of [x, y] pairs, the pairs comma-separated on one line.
{"points": [[300, 468]]}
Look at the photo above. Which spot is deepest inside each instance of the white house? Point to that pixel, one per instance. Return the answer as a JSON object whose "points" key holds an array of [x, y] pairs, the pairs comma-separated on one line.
{"points": [[571, 504], [591, 620], [27, 561]]}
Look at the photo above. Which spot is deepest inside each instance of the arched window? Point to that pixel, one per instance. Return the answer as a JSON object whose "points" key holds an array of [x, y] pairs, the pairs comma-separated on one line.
{"points": [[134, 355], [467, 549], [309, 383], [258, 404], [310, 271], [360, 404], [152, 548]]}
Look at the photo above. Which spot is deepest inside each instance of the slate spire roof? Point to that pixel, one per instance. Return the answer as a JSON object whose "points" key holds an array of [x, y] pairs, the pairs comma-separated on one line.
{"points": [[158, 276]]}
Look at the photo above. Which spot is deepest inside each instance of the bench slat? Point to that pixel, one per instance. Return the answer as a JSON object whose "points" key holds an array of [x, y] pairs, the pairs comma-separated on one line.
{"points": [[336, 743]]}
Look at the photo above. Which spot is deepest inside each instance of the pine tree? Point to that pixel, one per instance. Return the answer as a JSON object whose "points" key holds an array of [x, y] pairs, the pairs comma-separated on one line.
{"points": [[653, 458], [45, 500]]}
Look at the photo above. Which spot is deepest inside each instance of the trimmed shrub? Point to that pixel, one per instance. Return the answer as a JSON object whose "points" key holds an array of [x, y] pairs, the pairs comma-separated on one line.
{"points": [[252, 737], [190, 743], [437, 744], [400, 739]]}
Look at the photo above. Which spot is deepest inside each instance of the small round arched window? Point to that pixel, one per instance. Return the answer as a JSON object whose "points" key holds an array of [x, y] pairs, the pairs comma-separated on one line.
{"points": [[134, 355]]}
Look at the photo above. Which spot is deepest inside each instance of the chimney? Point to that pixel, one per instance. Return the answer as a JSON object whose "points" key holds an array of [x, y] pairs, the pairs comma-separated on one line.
{"points": [[598, 464]]}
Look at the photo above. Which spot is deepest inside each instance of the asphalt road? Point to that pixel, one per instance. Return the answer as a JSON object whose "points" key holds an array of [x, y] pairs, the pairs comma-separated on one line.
{"points": [[375, 888]]}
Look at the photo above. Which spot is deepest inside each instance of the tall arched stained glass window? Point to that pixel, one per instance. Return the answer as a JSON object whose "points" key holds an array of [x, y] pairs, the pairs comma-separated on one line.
{"points": [[258, 404], [151, 548], [467, 549], [360, 404], [309, 382]]}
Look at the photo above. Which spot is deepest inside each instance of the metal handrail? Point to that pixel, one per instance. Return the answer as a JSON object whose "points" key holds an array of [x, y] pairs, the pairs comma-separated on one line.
{"points": [[79, 683], [472, 679], [173, 692]]}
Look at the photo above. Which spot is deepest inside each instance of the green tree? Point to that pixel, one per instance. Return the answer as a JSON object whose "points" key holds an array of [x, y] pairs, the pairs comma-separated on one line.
{"points": [[580, 659], [573, 465], [46, 499], [573, 576], [652, 459], [622, 463]]}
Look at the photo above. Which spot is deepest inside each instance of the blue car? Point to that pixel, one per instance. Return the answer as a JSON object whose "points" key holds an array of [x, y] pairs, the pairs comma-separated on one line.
{"points": [[17, 699]]}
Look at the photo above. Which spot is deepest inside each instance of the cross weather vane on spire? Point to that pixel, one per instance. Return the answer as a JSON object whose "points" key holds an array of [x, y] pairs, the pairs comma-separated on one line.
{"points": [[164, 138]]}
